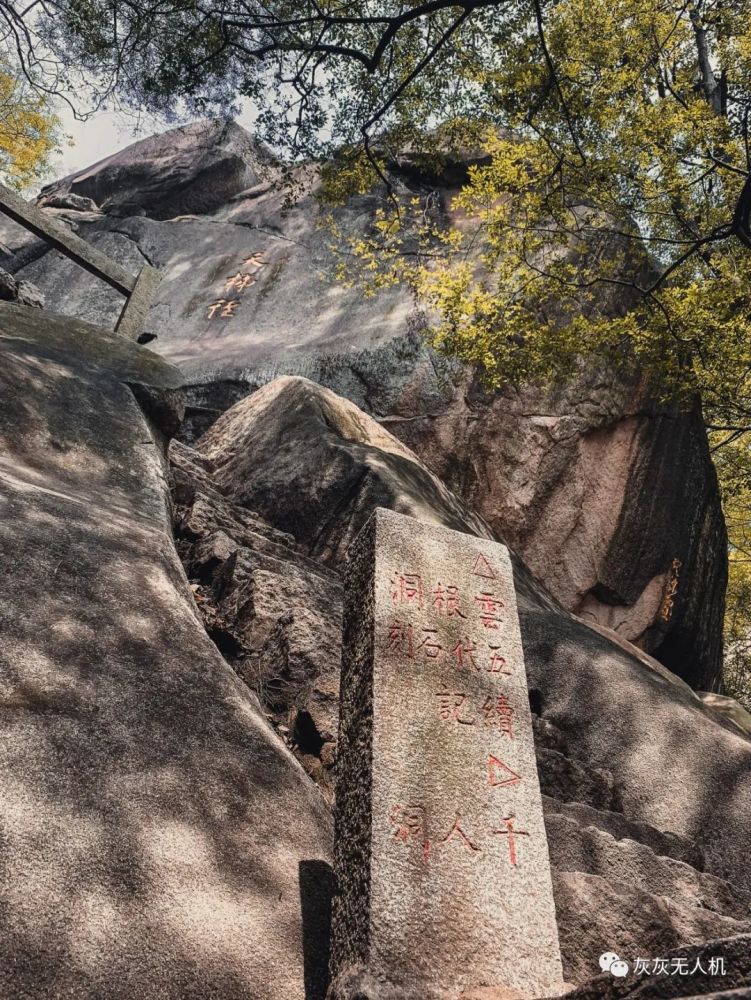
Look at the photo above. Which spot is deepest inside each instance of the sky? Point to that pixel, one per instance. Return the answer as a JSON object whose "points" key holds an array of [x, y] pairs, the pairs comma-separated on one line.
{"points": [[92, 140]]}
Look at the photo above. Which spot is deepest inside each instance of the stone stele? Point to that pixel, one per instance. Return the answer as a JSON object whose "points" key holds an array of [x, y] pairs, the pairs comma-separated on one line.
{"points": [[441, 858]]}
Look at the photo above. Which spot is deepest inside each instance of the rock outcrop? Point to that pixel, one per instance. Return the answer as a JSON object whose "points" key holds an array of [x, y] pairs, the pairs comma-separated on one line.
{"points": [[639, 774], [198, 168], [610, 498], [317, 466], [159, 840], [22, 292]]}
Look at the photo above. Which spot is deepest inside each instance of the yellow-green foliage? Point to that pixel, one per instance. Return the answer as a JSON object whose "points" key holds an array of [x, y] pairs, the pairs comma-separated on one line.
{"points": [[597, 229], [539, 276], [28, 130], [734, 467]]}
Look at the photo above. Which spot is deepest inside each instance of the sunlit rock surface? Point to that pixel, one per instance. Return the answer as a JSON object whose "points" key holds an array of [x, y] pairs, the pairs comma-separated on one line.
{"points": [[158, 838], [610, 499]]}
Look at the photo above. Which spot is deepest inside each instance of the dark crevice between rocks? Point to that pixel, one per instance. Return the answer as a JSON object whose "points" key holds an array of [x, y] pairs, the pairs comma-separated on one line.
{"points": [[535, 701], [305, 734], [228, 644]]}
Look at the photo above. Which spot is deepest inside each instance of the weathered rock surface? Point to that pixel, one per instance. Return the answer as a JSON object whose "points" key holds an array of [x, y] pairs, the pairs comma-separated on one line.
{"points": [[640, 773], [734, 983], [560, 475], [159, 840], [76, 202], [596, 914], [22, 292], [273, 612], [588, 484], [316, 466], [729, 708], [195, 169]]}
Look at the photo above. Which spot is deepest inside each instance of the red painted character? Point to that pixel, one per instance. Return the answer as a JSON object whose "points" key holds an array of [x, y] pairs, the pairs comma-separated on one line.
{"points": [[446, 601], [409, 823], [498, 664], [401, 638], [456, 831], [490, 608], [463, 653], [450, 705], [407, 588], [512, 834], [431, 649], [499, 708]]}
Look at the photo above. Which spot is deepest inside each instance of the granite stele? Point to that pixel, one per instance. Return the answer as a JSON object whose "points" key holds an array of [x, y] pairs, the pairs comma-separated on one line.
{"points": [[441, 858]]}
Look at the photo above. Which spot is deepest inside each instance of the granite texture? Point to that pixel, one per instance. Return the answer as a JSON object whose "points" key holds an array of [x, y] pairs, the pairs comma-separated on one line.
{"points": [[158, 838], [609, 496], [455, 860]]}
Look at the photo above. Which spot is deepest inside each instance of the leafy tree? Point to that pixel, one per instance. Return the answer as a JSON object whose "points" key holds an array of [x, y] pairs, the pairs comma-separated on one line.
{"points": [[28, 130], [612, 141], [734, 467]]}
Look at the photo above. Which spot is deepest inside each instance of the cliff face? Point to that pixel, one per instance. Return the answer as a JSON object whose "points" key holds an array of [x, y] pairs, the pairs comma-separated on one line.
{"points": [[155, 830], [169, 671], [609, 498]]}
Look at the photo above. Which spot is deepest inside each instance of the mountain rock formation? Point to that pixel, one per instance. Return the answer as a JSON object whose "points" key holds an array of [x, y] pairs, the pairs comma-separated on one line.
{"points": [[153, 824], [631, 808], [609, 498], [172, 610]]}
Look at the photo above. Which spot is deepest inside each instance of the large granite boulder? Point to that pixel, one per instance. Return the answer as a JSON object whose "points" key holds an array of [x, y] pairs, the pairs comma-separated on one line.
{"points": [[610, 498], [316, 466], [159, 839], [589, 484], [194, 168], [647, 788]]}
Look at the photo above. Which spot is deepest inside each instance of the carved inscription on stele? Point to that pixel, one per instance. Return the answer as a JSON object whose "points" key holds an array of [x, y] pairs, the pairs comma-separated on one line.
{"points": [[459, 875]]}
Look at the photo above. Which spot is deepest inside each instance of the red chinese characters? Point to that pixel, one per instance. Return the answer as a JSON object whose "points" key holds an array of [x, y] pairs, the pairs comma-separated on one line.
{"points": [[512, 834], [464, 655], [452, 707], [414, 643], [457, 832], [497, 709], [497, 664], [446, 601], [407, 588], [409, 825], [490, 609]]}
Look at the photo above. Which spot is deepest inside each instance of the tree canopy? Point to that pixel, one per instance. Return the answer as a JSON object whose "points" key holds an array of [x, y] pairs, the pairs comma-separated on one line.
{"points": [[28, 129], [612, 141]]}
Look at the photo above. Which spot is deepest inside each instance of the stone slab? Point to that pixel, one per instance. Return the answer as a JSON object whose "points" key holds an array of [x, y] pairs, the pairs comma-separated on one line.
{"points": [[441, 855]]}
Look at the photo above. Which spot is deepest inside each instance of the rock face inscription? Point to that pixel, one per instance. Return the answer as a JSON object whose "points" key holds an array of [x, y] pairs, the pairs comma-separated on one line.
{"points": [[441, 856]]}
